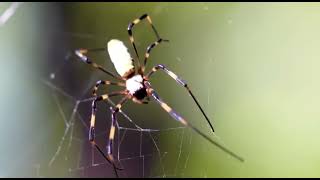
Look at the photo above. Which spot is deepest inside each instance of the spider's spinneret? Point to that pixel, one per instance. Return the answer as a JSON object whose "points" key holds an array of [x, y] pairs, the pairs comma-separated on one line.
{"points": [[136, 87], [120, 58]]}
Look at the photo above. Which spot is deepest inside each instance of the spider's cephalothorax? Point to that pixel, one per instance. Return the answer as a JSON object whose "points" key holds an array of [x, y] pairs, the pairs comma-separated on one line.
{"points": [[137, 87]]}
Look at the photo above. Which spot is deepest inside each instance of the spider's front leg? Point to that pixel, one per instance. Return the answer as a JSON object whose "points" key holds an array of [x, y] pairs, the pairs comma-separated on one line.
{"points": [[147, 54], [81, 54], [130, 27], [136, 21]]}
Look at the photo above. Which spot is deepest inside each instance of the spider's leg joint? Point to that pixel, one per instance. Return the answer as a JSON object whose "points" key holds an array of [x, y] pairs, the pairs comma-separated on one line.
{"points": [[182, 82], [108, 149], [160, 66], [149, 49], [111, 109], [91, 134], [130, 27], [82, 57], [100, 82], [143, 16], [114, 110], [95, 88], [162, 40], [94, 104]]}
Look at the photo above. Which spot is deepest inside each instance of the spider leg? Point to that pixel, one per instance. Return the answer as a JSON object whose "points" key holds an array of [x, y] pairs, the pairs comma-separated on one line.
{"points": [[136, 21], [80, 53], [134, 99], [113, 128], [95, 88], [180, 119], [92, 123], [147, 54], [182, 83]]}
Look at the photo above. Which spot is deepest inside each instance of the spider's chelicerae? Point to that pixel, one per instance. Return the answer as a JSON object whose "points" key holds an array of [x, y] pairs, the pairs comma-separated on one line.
{"points": [[136, 84]]}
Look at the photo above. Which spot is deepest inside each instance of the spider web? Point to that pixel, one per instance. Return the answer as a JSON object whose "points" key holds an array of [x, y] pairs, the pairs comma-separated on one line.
{"points": [[88, 159], [142, 149], [135, 148]]}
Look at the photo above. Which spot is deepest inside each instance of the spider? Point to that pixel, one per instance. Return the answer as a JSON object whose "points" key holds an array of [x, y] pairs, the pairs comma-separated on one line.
{"points": [[137, 86]]}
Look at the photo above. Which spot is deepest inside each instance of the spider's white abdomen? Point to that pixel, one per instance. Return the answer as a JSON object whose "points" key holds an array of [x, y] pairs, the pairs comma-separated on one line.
{"points": [[134, 84], [120, 56]]}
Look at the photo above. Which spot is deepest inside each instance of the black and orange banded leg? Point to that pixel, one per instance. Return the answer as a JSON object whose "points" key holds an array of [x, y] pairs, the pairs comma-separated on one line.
{"points": [[180, 119], [80, 53], [92, 123], [114, 112], [182, 83], [136, 21], [147, 54], [95, 88]]}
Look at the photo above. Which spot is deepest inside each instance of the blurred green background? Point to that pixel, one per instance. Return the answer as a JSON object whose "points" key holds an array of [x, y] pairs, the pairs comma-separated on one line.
{"points": [[252, 66]]}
